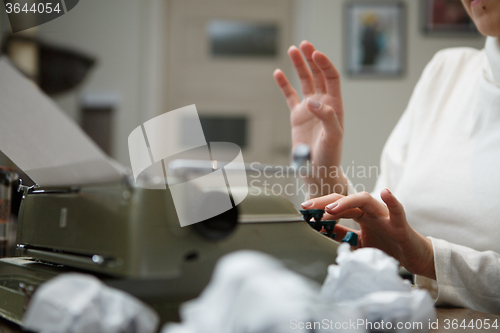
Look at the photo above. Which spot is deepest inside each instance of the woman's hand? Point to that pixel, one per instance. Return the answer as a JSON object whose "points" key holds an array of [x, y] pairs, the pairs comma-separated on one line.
{"points": [[317, 120], [382, 226]]}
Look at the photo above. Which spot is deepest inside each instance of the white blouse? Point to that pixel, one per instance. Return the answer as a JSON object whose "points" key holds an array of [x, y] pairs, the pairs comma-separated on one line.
{"points": [[442, 161]]}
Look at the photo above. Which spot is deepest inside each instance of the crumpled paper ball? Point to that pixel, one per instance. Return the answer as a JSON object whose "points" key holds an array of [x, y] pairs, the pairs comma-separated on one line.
{"points": [[79, 303], [251, 292]]}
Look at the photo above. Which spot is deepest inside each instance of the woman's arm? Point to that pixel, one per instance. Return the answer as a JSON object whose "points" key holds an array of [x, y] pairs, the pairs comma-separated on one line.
{"points": [[465, 277]]}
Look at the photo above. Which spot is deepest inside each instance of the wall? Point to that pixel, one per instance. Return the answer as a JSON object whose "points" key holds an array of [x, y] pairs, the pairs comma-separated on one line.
{"points": [[130, 40], [110, 31], [372, 106], [4, 25], [116, 33]]}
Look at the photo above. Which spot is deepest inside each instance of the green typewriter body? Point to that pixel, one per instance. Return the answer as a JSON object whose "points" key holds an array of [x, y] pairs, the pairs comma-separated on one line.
{"points": [[130, 237]]}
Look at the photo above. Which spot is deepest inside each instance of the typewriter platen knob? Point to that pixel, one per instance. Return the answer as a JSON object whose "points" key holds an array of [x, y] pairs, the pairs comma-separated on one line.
{"points": [[219, 226]]}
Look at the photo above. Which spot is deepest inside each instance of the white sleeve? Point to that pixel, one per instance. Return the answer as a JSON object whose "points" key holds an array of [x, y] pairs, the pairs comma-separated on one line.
{"points": [[464, 277], [394, 154], [392, 162], [393, 159]]}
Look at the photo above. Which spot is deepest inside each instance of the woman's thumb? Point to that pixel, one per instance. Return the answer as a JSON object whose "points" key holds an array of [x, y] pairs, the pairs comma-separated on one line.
{"points": [[395, 207], [327, 115]]}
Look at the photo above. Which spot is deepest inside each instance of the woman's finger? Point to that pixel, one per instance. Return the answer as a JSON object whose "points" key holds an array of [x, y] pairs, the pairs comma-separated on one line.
{"points": [[302, 71], [321, 202], [318, 78], [362, 200], [396, 211], [354, 213], [291, 96], [331, 125], [330, 73]]}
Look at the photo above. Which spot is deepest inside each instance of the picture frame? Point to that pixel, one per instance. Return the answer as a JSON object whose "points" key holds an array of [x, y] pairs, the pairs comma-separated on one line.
{"points": [[446, 17], [375, 38]]}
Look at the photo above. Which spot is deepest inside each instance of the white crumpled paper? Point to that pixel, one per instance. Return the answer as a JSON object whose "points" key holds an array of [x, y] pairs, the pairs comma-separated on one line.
{"points": [[254, 293], [367, 280], [249, 292], [78, 303], [361, 272]]}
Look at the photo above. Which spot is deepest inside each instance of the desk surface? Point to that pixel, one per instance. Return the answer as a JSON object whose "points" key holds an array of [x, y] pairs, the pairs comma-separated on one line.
{"points": [[445, 317]]}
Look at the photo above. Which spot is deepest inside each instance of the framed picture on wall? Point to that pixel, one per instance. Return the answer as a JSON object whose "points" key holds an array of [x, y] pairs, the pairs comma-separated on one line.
{"points": [[375, 38], [446, 17]]}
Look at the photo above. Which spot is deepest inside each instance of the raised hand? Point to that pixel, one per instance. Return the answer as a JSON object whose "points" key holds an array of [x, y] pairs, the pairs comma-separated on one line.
{"points": [[383, 226], [318, 119]]}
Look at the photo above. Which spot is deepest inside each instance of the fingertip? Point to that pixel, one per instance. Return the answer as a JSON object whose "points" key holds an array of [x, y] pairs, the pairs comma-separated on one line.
{"points": [[333, 210], [316, 54], [279, 78], [316, 113], [305, 44], [320, 59], [295, 55], [390, 200], [316, 57], [308, 204], [385, 194], [292, 49], [313, 104]]}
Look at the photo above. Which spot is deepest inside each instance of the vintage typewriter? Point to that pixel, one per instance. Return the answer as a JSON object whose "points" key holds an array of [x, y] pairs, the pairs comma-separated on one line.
{"points": [[128, 236]]}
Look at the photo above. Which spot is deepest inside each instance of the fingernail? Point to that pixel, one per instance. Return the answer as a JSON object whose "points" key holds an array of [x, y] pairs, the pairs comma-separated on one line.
{"points": [[388, 190], [332, 205], [307, 204], [314, 104]]}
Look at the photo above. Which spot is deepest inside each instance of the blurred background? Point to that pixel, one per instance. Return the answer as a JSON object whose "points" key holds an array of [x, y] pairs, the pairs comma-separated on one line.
{"points": [[138, 59]]}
